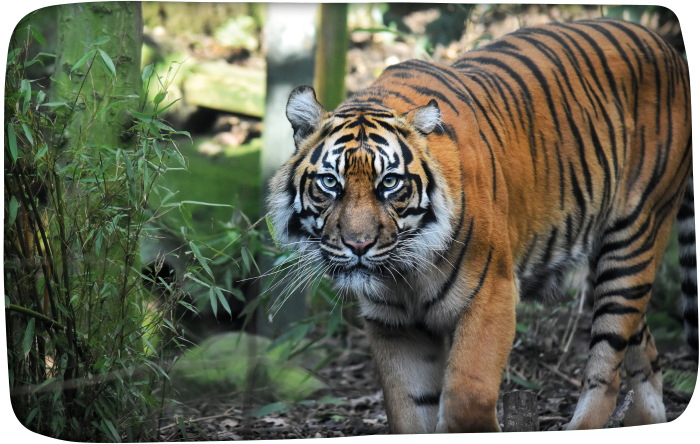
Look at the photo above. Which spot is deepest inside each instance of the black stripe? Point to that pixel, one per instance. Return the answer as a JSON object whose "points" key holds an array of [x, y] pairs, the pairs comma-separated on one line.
{"points": [[493, 163], [629, 293], [542, 80], [689, 288], [685, 211], [638, 337], [620, 272], [580, 199], [426, 399], [436, 94], [688, 261], [613, 308], [447, 286], [526, 257], [550, 246], [482, 278], [614, 340]]}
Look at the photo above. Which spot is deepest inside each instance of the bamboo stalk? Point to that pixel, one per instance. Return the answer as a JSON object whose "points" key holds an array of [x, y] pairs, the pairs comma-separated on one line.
{"points": [[331, 54], [32, 313]]}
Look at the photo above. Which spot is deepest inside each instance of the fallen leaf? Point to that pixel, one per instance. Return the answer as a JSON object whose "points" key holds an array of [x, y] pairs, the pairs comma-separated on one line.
{"points": [[277, 422], [229, 422]]}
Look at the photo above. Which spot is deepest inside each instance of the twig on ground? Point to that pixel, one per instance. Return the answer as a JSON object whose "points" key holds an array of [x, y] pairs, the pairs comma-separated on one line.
{"points": [[619, 415], [562, 375], [223, 415]]}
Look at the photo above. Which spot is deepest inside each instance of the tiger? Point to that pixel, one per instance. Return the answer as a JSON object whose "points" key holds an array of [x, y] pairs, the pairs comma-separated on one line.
{"points": [[443, 195]]}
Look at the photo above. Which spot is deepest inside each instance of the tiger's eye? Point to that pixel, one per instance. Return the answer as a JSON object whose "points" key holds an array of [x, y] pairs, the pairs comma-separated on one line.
{"points": [[330, 181], [390, 182]]}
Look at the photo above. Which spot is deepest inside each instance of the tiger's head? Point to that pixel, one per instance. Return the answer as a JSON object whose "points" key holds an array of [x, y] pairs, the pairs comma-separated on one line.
{"points": [[361, 198]]}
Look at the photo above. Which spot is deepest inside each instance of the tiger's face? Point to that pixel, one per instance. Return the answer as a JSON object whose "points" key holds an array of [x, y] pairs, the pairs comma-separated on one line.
{"points": [[361, 196]]}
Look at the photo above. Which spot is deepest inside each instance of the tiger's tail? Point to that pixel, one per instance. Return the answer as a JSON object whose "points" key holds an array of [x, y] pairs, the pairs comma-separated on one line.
{"points": [[688, 265]]}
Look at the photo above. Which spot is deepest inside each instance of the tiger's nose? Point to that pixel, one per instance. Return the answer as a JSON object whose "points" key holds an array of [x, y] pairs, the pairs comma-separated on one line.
{"points": [[359, 248]]}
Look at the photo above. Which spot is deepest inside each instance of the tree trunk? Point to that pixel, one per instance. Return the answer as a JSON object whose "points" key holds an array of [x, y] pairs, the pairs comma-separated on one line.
{"points": [[290, 39], [89, 88], [331, 54]]}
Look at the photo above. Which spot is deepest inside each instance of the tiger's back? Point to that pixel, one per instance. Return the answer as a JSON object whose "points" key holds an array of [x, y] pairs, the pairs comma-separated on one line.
{"points": [[557, 145]]}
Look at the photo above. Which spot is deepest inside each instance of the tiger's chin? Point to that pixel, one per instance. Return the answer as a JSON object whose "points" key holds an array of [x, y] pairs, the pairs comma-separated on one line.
{"points": [[358, 280]]}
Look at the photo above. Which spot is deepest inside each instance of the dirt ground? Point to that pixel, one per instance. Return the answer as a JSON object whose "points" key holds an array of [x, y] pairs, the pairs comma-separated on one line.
{"points": [[544, 359], [353, 403]]}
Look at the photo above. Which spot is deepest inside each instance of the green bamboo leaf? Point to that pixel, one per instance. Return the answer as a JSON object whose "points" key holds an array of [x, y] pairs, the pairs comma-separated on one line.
{"points": [[271, 229], [208, 204], [41, 152], [107, 108], [30, 63], [223, 300], [238, 294], [104, 67], [44, 384], [31, 416], [12, 139], [160, 111], [159, 97], [180, 158], [183, 429], [40, 97], [212, 300], [14, 204], [115, 435], [201, 432], [100, 41], [246, 261], [252, 259], [52, 104], [98, 243], [142, 116], [108, 62], [146, 178], [270, 408], [184, 133], [154, 130], [28, 134], [186, 214], [200, 258], [28, 340], [83, 60], [46, 54], [128, 165], [163, 126], [147, 71], [145, 339], [37, 35], [156, 147], [26, 93]]}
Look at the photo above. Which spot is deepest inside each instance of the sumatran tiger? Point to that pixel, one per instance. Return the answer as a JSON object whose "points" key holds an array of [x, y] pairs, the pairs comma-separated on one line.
{"points": [[442, 195]]}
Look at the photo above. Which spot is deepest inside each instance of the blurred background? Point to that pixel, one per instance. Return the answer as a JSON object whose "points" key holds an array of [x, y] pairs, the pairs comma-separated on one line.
{"points": [[230, 69]]}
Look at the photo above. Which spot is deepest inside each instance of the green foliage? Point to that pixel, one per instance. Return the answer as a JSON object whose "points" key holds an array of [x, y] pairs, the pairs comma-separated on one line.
{"points": [[238, 32], [89, 346], [683, 381], [222, 364]]}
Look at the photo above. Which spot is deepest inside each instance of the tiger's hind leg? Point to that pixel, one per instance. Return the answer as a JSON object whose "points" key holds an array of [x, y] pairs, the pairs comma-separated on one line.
{"points": [[685, 221], [644, 377], [629, 255]]}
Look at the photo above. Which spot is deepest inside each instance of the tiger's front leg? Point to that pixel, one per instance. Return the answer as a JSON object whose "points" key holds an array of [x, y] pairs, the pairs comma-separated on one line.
{"points": [[410, 362], [478, 358]]}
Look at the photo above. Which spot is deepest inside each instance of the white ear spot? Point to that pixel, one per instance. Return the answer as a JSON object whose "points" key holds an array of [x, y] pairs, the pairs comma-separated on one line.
{"points": [[426, 118], [303, 112]]}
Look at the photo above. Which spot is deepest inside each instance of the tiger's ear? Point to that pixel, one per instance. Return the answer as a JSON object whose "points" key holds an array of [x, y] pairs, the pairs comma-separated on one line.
{"points": [[425, 118], [304, 112]]}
